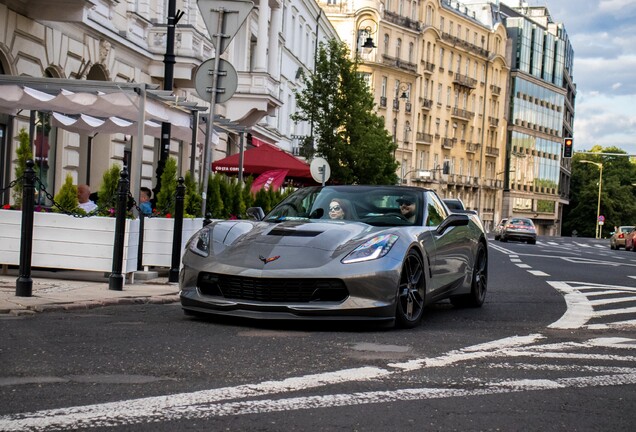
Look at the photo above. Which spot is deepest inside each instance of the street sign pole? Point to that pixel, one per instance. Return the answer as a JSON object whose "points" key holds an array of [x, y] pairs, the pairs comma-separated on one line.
{"points": [[237, 10]]}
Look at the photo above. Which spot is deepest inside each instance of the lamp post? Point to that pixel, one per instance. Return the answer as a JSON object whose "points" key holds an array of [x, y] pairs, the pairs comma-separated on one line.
{"points": [[366, 29], [597, 231]]}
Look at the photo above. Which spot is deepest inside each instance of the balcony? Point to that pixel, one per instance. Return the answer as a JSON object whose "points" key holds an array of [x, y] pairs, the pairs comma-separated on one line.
{"points": [[496, 91], [383, 101], [492, 151], [402, 21], [396, 104], [256, 96], [462, 114], [428, 67], [400, 64], [493, 121], [472, 147], [427, 103], [448, 143], [424, 138], [464, 81], [407, 107]]}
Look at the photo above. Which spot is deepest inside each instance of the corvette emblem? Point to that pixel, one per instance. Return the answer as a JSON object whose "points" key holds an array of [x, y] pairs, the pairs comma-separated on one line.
{"points": [[267, 260]]}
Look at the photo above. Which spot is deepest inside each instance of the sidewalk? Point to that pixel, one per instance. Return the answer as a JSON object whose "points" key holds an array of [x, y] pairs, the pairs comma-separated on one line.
{"points": [[72, 290]]}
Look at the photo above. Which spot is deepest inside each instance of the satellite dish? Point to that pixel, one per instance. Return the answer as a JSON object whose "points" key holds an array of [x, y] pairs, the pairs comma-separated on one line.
{"points": [[320, 170]]}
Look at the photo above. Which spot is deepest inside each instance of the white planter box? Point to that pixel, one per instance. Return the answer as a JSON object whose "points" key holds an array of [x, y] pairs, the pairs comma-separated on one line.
{"points": [[158, 232], [67, 242]]}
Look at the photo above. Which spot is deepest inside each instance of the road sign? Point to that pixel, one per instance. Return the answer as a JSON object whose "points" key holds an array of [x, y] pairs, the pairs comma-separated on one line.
{"points": [[320, 170], [601, 218], [224, 18], [226, 82]]}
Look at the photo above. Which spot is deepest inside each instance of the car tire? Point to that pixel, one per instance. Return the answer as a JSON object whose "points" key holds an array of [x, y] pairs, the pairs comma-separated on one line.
{"points": [[497, 237], [411, 292], [503, 239], [479, 282], [532, 242]]}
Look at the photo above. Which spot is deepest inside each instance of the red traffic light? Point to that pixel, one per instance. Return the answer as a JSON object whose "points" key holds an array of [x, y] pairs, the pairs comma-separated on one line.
{"points": [[567, 147]]}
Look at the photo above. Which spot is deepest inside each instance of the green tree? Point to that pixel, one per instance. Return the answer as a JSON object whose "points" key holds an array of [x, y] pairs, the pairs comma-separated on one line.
{"points": [[348, 132], [618, 195]]}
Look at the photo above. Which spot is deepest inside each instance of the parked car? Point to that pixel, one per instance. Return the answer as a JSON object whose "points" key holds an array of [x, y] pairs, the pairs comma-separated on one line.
{"points": [[456, 205], [521, 229], [297, 263], [617, 240], [499, 228], [630, 240]]}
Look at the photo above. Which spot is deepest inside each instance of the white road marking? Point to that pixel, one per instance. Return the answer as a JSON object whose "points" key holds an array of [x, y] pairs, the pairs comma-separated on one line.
{"points": [[515, 260], [633, 277], [219, 403], [538, 273], [580, 309], [526, 266]]}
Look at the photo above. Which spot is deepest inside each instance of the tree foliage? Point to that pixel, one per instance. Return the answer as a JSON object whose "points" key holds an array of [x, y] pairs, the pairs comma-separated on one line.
{"points": [[618, 194], [347, 131], [66, 198], [24, 153]]}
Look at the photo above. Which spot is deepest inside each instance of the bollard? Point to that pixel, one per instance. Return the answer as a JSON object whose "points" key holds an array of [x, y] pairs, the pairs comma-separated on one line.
{"points": [[140, 248], [116, 279], [177, 232], [208, 219], [24, 283]]}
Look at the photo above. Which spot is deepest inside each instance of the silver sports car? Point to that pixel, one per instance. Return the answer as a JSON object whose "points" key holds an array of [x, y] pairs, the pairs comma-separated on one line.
{"points": [[377, 253]]}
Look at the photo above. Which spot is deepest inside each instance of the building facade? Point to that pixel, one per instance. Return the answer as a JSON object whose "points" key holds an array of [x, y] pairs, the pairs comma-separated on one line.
{"points": [[109, 41], [541, 113], [438, 70]]}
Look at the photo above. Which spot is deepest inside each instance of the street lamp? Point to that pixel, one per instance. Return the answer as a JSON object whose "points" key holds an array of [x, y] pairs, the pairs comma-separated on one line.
{"points": [[366, 29], [597, 232]]}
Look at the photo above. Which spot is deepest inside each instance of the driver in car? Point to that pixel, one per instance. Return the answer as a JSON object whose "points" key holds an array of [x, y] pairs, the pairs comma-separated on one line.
{"points": [[407, 208]]}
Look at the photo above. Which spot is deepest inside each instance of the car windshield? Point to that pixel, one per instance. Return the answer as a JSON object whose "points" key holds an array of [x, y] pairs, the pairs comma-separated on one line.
{"points": [[373, 205]]}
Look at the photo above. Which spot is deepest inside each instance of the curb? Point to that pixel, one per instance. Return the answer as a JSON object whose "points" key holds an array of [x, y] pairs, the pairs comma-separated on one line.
{"points": [[91, 304]]}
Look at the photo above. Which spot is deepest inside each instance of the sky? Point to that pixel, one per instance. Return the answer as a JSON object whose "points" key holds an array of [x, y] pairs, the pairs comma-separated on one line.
{"points": [[603, 36]]}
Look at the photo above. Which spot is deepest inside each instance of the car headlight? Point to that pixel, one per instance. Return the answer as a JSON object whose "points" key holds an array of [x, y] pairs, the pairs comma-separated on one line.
{"points": [[200, 243], [372, 249]]}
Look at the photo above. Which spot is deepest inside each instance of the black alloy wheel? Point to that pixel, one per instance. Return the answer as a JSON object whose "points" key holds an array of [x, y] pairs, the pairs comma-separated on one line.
{"points": [[411, 292]]}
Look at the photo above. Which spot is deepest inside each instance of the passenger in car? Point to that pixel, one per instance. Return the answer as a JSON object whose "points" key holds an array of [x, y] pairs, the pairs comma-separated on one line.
{"points": [[339, 209]]}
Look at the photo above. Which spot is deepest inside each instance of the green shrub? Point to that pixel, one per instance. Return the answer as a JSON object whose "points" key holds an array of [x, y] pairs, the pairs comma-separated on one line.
{"points": [[193, 199], [24, 153], [107, 195], [66, 198], [214, 202], [166, 196]]}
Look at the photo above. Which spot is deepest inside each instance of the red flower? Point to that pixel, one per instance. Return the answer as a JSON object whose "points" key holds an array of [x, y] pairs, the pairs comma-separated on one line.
{"points": [[168, 215], [6, 207]]}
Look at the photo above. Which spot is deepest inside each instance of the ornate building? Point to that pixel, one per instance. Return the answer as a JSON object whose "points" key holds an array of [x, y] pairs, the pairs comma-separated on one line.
{"points": [[122, 45], [438, 70]]}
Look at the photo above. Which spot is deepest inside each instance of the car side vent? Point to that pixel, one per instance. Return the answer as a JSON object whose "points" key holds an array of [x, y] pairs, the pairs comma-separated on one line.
{"points": [[293, 233]]}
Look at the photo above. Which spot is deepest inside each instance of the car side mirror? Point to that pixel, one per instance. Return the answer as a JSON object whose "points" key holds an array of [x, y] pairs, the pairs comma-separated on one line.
{"points": [[454, 219], [255, 213]]}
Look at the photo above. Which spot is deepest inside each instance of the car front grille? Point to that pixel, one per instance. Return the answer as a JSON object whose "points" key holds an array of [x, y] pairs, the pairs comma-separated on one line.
{"points": [[272, 289]]}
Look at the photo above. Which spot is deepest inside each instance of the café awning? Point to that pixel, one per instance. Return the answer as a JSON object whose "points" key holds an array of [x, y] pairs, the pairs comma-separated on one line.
{"points": [[264, 158]]}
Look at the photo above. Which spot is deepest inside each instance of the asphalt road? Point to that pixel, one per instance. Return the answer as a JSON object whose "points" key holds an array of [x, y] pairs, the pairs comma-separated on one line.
{"points": [[553, 348]]}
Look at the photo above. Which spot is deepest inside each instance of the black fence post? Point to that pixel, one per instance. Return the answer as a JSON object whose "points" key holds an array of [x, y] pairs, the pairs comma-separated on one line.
{"points": [[208, 219], [140, 248], [177, 232], [24, 283], [116, 279]]}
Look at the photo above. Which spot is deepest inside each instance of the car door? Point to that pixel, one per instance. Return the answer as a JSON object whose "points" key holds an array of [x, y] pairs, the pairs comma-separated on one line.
{"points": [[452, 247]]}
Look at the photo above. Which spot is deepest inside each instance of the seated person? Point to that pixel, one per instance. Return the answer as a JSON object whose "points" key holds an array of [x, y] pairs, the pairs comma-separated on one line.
{"points": [[83, 196], [339, 209], [408, 209], [145, 194]]}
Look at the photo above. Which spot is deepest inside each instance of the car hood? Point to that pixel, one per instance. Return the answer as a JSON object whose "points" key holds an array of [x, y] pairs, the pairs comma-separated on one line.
{"points": [[288, 244]]}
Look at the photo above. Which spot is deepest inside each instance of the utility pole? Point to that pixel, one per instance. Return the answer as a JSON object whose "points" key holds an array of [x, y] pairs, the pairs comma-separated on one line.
{"points": [[168, 77]]}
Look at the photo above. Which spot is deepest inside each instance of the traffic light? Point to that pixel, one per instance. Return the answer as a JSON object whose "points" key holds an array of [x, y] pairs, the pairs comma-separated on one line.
{"points": [[568, 143]]}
